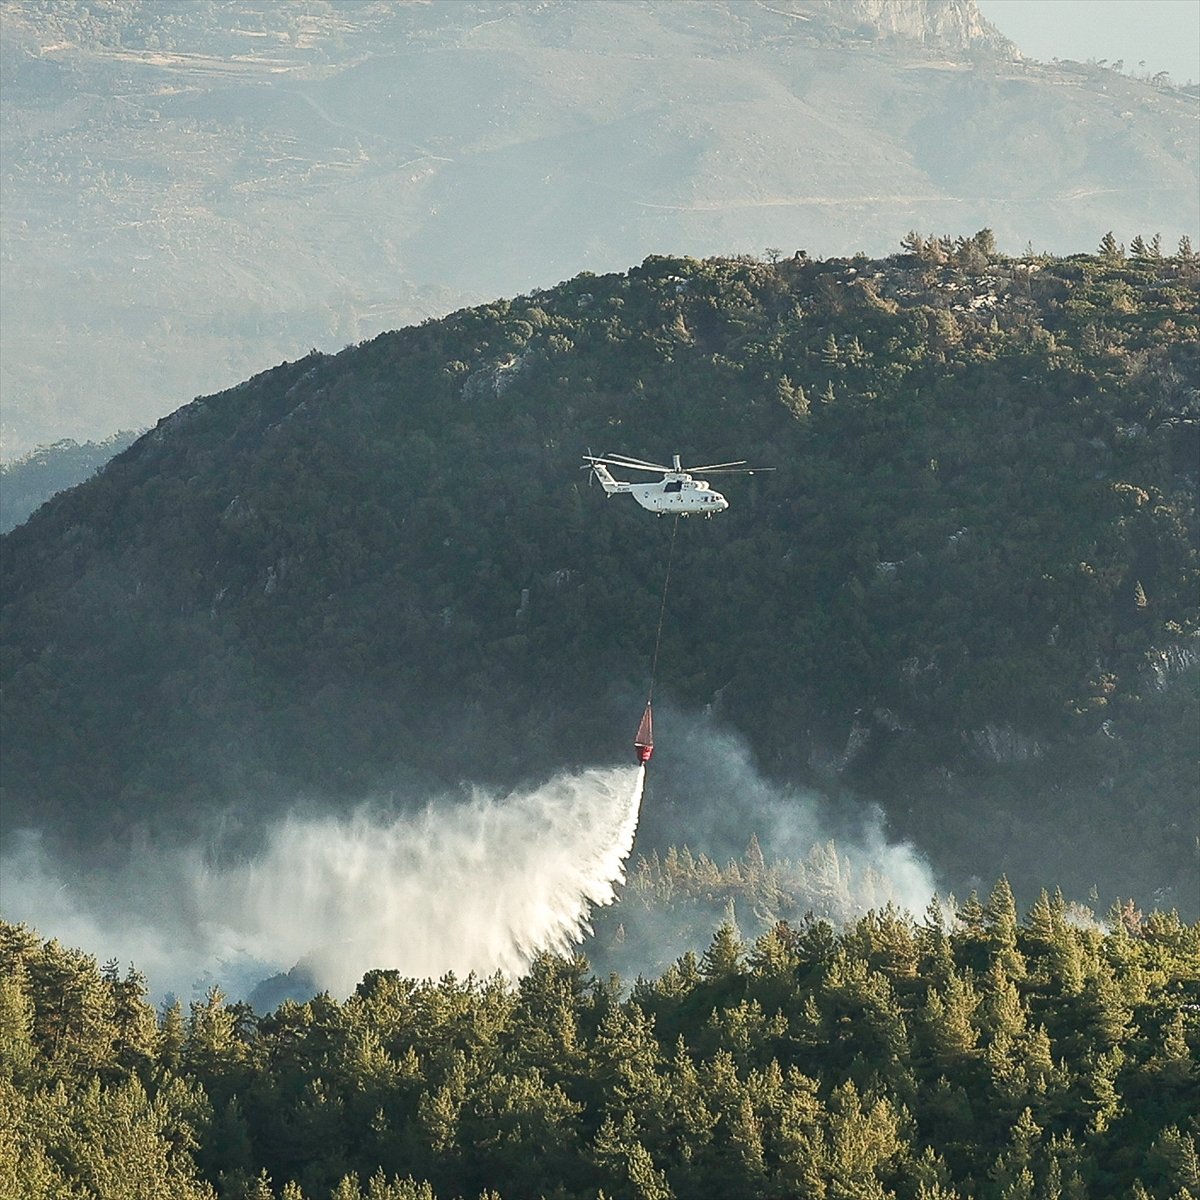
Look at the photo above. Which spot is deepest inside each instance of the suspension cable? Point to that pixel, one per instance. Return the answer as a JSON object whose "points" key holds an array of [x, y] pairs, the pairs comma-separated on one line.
{"points": [[662, 610]]}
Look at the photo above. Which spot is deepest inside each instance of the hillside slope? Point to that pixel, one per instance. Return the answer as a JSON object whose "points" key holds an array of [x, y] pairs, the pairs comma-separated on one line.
{"points": [[191, 190], [29, 481], [967, 592]]}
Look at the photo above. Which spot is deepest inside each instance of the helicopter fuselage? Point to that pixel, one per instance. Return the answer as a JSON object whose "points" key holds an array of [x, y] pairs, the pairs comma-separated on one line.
{"points": [[677, 493]]}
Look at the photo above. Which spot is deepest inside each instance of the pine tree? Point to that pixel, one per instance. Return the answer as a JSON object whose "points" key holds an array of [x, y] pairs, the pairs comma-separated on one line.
{"points": [[1174, 1064], [1101, 1098], [1001, 1012], [972, 916], [627, 1165], [932, 1176], [1001, 920], [1067, 961], [227, 1146], [17, 1053], [864, 1135], [209, 1045], [1125, 918], [985, 243], [132, 1019], [439, 1109], [948, 1019], [1012, 1173], [347, 1189], [1040, 921], [627, 1058], [1175, 1160], [792, 397], [1109, 1015], [773, 956], [678, 1127], [71, 1029], [550, 1001], [259, 1188], [171, 1036], [756, 864], [721, 962]]}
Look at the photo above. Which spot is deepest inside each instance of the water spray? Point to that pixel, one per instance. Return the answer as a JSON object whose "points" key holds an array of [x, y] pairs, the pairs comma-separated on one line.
{"points": [[479, 885]]}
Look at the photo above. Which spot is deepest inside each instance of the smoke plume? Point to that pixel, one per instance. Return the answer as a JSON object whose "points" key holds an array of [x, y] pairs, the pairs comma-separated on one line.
{"points": [[840, 848]]}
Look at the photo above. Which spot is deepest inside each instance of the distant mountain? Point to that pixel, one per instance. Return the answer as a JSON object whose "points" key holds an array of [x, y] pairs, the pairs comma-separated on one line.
{"points": [[190, 190], [32, 479], [968, 591]]}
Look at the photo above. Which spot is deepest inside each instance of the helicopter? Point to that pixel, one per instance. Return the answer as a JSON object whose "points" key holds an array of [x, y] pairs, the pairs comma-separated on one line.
{"points": [[677, 492]]}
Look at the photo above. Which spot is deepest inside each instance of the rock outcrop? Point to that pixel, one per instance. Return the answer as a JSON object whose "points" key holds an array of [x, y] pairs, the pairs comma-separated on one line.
{"points": [[948, 24]]}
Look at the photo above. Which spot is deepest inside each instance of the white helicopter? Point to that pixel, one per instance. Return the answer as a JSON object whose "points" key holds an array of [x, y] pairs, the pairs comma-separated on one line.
{"points": [[677, 492]]}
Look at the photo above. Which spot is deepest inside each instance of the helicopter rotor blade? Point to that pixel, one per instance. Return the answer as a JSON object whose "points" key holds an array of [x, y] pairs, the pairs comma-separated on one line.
{"points": [[628, 466], [589, 457], [630, 458], [638, 462], [627, 462], [608, 461], [736, 470], [741, 462]]}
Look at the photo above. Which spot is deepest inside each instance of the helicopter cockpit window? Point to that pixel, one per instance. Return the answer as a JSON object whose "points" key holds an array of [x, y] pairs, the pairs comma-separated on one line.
{"points": [[674, 486]]}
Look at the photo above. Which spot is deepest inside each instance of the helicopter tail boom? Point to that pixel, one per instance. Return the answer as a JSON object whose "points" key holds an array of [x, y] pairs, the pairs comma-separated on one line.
{"points": [[607, 482]]}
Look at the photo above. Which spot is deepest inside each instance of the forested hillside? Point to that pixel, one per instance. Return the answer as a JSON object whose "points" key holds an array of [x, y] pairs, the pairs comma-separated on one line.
{"points": [[962, 1054], [967, 591], [33, 478]]}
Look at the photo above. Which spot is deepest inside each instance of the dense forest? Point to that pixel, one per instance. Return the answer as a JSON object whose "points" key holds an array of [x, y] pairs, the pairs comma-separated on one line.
{"points": [[967, 1053], [968, 591]]}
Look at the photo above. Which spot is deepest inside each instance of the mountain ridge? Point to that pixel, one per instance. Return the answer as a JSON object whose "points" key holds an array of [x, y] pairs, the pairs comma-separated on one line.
{"points": [[377, 572], [237, 191]]}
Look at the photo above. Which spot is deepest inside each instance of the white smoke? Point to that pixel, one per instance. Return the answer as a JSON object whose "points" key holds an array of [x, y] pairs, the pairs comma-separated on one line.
{"points": [[478, 886], [845, 861]]}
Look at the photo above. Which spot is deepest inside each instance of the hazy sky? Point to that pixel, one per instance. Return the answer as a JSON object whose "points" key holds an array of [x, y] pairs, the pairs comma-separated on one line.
{"points": [[1165, 34]]}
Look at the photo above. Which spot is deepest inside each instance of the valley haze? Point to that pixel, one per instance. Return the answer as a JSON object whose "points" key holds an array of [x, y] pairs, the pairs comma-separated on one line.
{"points": [[191, 191]]}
